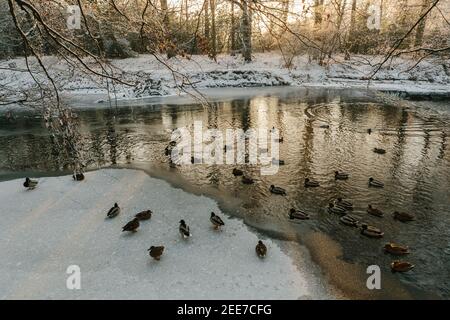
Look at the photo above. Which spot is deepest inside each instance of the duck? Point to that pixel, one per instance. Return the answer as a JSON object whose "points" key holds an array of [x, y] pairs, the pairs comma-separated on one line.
{"points": [[347, 205], [349, 220], [371, 232], [184, 229], [369, 131], [278, 162], [261, 249], [401, 266], [277, 190], [396, 249], [131, 226], [114, 211], [298, 214], [216, 221], [78, 176], [403, 216], [247, 180], [167, 151], [336, 210], [156, 252], [375, 183], [311, 183], [144, 215], [374, 211], [30, 184], [172, 143], [325, 126], [279, 140], [379, 150], [237, 172], [340, 175]]}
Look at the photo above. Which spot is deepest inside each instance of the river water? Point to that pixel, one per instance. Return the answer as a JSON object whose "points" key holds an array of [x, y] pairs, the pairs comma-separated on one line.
{"points": [[415, 170]]}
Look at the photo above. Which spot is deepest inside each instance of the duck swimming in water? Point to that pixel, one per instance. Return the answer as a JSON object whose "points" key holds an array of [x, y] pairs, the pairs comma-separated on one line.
{"points": [[347, 205], [261, 249], [336, 210], [131, 226], [30, 184], [144, 215], [371, 232], [156, 252], [401, 266], [379, 150], [374, 211], [114, 211], [311, 183], [340, 175], [277, 190], [216, 221], [403, 216], [375, 183], [298, 214], [184, 229], [396, 249], [349, 220]]}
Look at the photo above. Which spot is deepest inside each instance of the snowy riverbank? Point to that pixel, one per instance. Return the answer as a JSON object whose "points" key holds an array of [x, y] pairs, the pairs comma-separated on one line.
{"points": [[150, 78], [63, 223]]}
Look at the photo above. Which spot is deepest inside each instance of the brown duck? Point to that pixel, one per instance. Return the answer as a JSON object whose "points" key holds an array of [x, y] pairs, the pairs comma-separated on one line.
{"points": [[131, 226], [144, 215], [156, 252], [374, 211], [403, 216]]}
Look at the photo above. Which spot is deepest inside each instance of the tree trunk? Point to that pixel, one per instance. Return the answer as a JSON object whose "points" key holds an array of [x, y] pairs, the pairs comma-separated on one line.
{"points": [[318, 9], [213, 29], [165, 12], [246, 31], [206, 20], [421, 26], [232, 31]]}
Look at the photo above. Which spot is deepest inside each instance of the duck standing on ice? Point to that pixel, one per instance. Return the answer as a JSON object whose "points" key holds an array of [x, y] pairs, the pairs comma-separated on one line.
{"points": [[156, 252], [261, 249], [114, 211], [184, 229], [131, 226], [216, 221], [30, 184]]}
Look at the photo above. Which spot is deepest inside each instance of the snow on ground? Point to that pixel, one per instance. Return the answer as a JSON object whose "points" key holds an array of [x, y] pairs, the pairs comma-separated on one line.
{"points": [[62, 223], [151, 78]]}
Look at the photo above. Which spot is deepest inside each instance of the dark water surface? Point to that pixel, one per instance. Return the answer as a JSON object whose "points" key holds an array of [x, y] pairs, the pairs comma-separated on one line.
{"points": [[415, 169]]}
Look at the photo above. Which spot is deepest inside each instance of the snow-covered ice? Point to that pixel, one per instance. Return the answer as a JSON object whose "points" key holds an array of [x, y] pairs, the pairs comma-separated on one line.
{"points": [[62, 223]]}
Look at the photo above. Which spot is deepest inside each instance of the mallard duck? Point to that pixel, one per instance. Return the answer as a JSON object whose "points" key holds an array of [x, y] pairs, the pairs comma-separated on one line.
{"points": [[131, 226], [325, 126], [156, 252], [379, 150], [401, 266], [114, 211], [371, 232], [349, 221], [144, 215], [78, 176], [277, 162], [369, 131], [340, 175], [347, 205], [336, 210], [298, 214], [403, 216], [216, 220], [184, 229], [261, 249], [247, 180], [237, 172], [167, 151], [30, 184], [277, 190], [396, 249], [311, 183], [374, 211], [375, 183]]}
